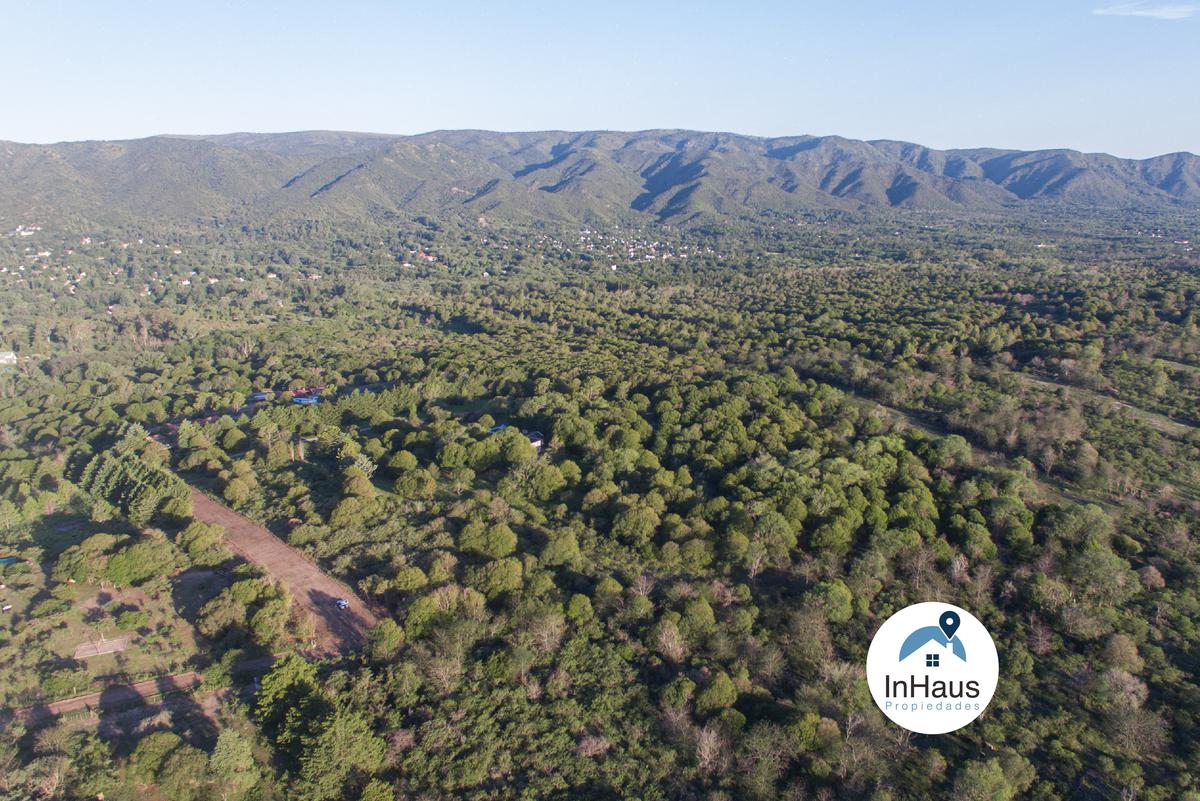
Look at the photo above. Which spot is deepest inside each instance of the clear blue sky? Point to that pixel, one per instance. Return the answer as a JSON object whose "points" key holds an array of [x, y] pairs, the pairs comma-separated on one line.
{"points": [[945, 73]]}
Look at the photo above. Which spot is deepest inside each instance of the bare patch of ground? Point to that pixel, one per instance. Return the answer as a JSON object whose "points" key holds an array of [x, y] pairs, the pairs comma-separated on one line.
{"points": [[88, 649], [336, 631]]}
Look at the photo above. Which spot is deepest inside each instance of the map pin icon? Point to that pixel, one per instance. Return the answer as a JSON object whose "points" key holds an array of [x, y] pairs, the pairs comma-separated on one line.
{"points": [[949, 622]]}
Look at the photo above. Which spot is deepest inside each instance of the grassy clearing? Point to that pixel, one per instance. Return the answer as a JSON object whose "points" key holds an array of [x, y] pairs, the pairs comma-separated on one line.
{"points": [[1159, 422], [48, 622]]}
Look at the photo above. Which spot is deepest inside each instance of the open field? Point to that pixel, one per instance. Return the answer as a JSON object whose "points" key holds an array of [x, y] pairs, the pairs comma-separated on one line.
{"points": [[60, 643]]}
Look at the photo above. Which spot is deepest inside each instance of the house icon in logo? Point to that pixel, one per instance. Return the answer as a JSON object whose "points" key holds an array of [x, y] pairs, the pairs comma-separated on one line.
{"points": [[932, 667], [941, 634]]}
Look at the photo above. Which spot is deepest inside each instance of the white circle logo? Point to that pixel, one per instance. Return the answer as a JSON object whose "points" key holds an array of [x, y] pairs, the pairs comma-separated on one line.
{"points": [[932, 668]]}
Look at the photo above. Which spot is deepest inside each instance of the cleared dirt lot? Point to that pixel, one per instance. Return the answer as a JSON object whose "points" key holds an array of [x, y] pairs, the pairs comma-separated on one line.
{"points": [[89, 649], [336, 631]]}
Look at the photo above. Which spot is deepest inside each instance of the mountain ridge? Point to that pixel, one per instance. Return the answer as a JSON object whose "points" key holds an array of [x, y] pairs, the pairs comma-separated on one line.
{"points": [[663, 175]]}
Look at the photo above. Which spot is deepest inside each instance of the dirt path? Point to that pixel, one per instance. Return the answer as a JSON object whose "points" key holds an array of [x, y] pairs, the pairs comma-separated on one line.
{"points": [[1178, 365], [121, 707], [336, 631], [111, 698], [1157, 421]]}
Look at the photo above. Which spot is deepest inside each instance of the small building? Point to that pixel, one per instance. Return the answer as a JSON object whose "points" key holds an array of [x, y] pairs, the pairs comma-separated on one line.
{"points": [[159, 438], [8, 358]]}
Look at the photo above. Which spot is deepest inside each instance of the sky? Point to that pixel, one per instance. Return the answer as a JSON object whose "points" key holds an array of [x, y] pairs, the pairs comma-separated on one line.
{"points": [[1105, 75]]}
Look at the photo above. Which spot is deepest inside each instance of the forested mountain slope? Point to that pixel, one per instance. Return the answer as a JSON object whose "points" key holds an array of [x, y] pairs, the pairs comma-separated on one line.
{"points": [[593, 176]]}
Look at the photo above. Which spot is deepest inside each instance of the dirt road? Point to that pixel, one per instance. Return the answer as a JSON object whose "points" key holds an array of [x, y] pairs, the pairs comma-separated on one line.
{"points": [[337, 631], [1159, 422], [111, 698], [119, 708]]}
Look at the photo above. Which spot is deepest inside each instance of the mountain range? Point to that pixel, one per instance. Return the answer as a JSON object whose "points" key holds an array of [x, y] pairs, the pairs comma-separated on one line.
{"points": [[591, 176]]}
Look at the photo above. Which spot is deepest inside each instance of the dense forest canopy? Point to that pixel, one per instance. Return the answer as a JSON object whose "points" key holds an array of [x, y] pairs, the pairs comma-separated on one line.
{"points": [[627, 501]]}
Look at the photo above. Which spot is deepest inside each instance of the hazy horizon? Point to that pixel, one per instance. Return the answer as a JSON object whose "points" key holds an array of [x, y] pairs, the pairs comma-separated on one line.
{"points": [[1089, 76], [246, 132]]}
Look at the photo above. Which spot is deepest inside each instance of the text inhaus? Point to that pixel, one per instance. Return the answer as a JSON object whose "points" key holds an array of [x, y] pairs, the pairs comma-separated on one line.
{"points": [[930, 688]]}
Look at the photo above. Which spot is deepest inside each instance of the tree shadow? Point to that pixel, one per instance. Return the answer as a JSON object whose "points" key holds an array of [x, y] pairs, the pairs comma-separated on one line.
{"points": [[193, 588], [348, 626], [56, 532], [123, 713]]}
